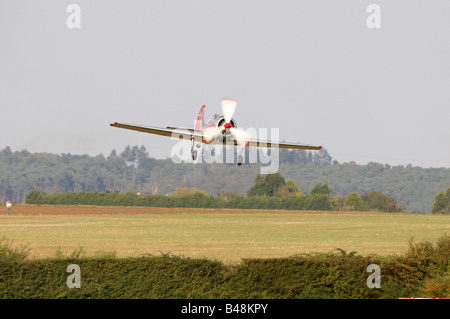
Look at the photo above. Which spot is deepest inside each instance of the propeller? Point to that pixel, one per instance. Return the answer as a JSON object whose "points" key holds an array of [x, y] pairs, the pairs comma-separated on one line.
{"points": [[241, 136], [228, 109], [211, 133]]}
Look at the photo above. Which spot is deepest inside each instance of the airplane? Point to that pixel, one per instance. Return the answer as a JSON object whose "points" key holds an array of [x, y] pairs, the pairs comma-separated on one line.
{"points": [[220, 129]]}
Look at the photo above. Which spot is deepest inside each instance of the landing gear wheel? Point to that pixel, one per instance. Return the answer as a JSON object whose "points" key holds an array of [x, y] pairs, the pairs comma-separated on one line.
{"points": [[240, 159], [193, 152]]}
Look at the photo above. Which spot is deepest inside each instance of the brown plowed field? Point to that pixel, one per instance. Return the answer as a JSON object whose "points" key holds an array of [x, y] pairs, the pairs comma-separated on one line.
{"points": [[112, 210], [102, 210]]}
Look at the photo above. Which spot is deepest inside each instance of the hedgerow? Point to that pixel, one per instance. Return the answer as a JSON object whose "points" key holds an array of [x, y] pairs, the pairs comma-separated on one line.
{"points": [[423, 271], [196, 200]]}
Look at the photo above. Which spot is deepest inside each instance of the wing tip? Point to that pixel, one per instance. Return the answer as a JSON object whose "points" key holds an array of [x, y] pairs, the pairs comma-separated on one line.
{"points": [[113, 124]]}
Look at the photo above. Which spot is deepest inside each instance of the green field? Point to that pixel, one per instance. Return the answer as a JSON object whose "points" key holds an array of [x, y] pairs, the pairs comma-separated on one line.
{"points": [[223, 235]]}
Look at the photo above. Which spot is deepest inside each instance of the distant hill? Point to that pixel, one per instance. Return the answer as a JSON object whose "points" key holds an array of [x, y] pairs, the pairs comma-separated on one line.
{"points": [[134, 170]]}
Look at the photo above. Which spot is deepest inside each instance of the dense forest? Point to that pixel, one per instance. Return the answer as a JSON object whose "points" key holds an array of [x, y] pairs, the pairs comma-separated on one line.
{"points": [[133, 170]]}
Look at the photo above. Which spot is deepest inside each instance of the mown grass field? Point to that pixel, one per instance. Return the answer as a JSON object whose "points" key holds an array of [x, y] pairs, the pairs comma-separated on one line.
{"points": [[226, 235]]}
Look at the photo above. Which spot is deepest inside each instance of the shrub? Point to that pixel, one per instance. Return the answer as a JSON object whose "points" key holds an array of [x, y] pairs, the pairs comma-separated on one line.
{"points": [[9, 253]]}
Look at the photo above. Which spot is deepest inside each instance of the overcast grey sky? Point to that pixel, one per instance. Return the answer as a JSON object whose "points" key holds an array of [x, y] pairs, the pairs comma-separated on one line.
{"points": [[313, 69]]}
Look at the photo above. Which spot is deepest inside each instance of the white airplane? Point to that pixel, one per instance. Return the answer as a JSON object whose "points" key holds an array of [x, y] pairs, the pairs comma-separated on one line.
{"points": [[220, 129]]}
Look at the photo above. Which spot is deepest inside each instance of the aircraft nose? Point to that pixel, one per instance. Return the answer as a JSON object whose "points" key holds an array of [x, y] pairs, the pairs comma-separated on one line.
{"points": [[227, 125]]}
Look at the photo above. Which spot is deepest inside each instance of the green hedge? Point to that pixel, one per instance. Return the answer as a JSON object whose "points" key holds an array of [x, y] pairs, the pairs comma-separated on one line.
{"points": [[421, 272], [197, 200]]}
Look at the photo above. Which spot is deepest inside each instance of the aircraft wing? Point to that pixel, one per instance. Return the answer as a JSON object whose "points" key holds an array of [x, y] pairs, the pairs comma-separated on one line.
{"points": [[259, 143], [187, 134], [181, 133]]}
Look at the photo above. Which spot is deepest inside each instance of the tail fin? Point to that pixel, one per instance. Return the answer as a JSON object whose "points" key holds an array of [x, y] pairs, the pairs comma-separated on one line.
{"points": [[199, 123]]}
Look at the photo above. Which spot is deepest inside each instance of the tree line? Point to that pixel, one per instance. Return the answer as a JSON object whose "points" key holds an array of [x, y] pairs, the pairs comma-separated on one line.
{"points": [[134, 170]]}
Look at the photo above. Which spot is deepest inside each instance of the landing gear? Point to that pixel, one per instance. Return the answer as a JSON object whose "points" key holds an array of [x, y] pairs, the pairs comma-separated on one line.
{"points": [[240, 159], [194, 152]]}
